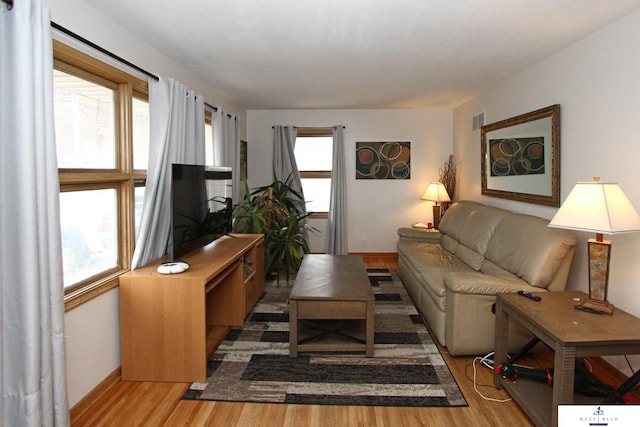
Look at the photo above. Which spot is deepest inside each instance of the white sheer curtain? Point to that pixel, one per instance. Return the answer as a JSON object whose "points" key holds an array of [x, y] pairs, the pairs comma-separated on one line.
{"points": [[284, 159], [226, 147], [176, 116], [337, 224], [32, 378]]}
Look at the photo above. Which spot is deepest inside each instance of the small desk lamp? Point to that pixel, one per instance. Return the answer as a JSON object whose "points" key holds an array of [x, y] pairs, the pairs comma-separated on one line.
{"points": [[601, 208], [436, 192]]}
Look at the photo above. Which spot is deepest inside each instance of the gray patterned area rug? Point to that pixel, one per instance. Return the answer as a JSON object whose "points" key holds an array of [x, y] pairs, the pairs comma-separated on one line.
{"points": [[253, 365]]}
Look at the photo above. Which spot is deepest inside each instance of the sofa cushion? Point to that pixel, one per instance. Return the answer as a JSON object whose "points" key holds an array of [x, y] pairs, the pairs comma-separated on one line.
{"points": [[470, 257], [479, 227], [449, 243], [456, 217], [493, 270], [431, 262], [467, 229], [526, 247]]}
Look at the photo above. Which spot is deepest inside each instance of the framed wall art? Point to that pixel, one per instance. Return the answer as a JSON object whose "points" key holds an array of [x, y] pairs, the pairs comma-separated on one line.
{"points": [[383, 160], [521, 157]]}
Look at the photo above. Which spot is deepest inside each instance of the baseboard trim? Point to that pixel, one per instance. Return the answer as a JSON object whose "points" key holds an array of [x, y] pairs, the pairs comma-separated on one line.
{"points": [[94, 395]]}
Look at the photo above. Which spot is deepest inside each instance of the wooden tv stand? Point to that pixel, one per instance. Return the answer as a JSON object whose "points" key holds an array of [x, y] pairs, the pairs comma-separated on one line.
{"points": [[170, 324]]}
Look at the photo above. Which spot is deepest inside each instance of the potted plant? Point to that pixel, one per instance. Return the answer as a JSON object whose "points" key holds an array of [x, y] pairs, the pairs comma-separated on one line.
{"points": [[277, 211]]}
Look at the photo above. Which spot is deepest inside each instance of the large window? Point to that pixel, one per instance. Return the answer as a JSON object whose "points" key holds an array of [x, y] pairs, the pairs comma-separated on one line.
{"points": [[85, 114], [314, 154], [102, 138], [140, 125], [208, 139]]}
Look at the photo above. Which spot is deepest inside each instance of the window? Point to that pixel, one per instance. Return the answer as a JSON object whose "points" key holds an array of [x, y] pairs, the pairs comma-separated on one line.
{"points": [[314, 156], [140, 123], [208, 139], [140, 126], [85, 115], [102, 139], [89, 233]]}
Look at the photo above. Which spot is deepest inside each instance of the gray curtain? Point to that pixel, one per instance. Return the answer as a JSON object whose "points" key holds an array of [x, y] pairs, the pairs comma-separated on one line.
{"points": [[226, 147], [176, 116], [32, 375], [337, 224], [284, 159]]}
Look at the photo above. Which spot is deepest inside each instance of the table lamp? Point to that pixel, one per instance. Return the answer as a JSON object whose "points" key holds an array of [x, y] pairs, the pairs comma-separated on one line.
{"points": [[436, 192], [601, 208]]}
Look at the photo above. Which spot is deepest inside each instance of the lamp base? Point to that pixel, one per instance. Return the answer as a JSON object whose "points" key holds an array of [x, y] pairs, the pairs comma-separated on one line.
{"points": [[599, 257], [595, 306], [437, 211]]}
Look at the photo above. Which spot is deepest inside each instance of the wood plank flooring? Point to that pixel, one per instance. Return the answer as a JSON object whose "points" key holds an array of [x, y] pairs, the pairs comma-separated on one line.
{"points": [[158, 404]]}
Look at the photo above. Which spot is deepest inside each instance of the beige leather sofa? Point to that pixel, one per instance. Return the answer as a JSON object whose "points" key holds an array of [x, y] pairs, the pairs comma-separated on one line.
{"points": [[453, 274]]}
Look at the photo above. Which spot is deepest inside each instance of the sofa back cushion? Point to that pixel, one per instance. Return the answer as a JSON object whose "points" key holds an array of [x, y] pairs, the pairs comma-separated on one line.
{"points": [[491, 269], [524, 246], [474, 225], [456, 217], [480, 226], [449, 243]]}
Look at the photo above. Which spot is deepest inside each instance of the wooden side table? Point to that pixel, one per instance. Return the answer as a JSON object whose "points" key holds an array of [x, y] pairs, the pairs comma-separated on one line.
{"points": [[570, 333]]}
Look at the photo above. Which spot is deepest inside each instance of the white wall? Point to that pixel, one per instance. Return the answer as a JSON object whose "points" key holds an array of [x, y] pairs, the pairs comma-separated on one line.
{"points": [[375, 208], [597, 86], [93, 329]]}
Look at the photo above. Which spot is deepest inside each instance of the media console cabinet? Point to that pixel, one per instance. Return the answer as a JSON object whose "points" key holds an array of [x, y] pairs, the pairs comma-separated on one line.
{"points": [[171, 323]]}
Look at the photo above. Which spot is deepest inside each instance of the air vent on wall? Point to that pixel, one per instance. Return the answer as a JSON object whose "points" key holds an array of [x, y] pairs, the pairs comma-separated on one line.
{"points": [[478, 121]]}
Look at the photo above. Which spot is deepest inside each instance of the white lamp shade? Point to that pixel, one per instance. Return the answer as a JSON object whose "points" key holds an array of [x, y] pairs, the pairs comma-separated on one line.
{"points": [[436, 192], [597, 207]]}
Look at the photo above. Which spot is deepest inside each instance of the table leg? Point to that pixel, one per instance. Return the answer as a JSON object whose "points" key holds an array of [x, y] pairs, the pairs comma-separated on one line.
{"points": [[564, 365], [501, 340], [369, 338], [293, 328]]}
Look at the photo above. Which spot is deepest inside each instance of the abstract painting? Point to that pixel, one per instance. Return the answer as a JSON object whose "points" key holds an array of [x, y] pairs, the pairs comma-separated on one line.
{"points": [[516, 156], [383, 160]]}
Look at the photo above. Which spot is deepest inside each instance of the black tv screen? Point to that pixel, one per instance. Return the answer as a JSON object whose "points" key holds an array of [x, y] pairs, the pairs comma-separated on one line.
{"points": [[201, 207]]}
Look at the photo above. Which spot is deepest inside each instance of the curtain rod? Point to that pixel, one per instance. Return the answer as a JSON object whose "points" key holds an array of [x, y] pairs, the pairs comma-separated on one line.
{"points": [[9, 4], [106, 52], [316, 127], [313, 127]]}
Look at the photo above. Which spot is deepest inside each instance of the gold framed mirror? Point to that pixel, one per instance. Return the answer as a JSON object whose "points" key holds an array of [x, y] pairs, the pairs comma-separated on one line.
{"points": [[521, 157]]}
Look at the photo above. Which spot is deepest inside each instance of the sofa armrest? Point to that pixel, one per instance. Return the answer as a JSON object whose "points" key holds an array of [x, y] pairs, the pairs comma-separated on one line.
{"points": [[484, 284], [419, 234], [470, 322]]}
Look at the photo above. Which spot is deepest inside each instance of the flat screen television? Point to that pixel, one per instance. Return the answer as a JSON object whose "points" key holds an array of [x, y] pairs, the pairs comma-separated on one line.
{"points": [[201, 207]]}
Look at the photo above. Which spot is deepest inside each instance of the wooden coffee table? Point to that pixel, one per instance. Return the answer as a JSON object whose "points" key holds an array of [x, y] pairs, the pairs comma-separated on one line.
{"points": [[331, 306]]}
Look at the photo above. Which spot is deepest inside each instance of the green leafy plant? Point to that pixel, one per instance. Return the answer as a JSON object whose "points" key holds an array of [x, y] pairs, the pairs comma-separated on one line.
{"points": [[277, 211]]}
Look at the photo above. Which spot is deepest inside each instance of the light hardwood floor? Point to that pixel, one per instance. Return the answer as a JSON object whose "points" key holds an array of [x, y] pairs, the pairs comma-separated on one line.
{"points": [[159, 404]]}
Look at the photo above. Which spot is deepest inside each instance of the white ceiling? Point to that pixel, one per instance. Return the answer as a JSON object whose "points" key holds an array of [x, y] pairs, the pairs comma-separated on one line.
{"points": [[298, 54]]}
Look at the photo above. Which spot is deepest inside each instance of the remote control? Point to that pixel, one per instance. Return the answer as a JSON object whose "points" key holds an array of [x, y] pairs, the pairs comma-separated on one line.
{"points": [[529, 295]]}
